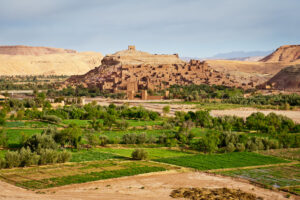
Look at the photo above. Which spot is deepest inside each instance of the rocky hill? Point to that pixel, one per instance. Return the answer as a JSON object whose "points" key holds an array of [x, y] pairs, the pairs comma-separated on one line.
{"points": [[286, 53], [25, 60], [132, 70], [287, 79]]}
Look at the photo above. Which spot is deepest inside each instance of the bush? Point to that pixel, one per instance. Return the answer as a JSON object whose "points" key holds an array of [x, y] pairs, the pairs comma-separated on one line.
{"points": [[240, 147], [64, 156], [12, 159], [2, 163], [139, 154], [141, 138], [129, 138], [152, 139], [48, 156], [51, 119], [103, 140], [3, 139], [38, 142], [123, 125], [92, 139], [28, 158], [230, 148], [115, 140]]}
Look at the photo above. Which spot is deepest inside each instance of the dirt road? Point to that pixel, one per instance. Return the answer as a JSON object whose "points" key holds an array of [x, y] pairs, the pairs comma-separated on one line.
{"points": [[146, 187]]}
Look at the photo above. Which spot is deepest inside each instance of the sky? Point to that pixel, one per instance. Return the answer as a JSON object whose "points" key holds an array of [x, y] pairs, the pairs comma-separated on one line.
{"points": [[193, 28]]}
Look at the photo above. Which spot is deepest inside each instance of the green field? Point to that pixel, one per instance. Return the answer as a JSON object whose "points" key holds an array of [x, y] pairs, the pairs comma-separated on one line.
{"points": [[64, 174], [132, 123], [221, 161], [153, 133], [153, 153], [15, 135], [90, 155], [279, 177], [26, 124]]}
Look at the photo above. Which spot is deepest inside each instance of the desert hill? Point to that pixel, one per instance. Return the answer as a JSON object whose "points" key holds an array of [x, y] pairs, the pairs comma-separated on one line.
{"points": [[34, 51], [286, 53], [25, 60], [287, 79], [131, 70]]}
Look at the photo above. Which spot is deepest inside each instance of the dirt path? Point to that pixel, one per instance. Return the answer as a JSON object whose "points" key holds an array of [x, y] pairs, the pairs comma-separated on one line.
{"points": [[145, 187]]}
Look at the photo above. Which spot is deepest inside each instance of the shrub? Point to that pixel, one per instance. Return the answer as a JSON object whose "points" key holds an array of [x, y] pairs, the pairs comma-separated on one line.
{"points": [[92, 139], [103, 140], [240, 147], [51, 119], [141, 138], [139, 154], [48, 156], [123, 125], [115, 140], [28, 158], [274, 144], [230, 148], [38, 142], [162, 139], [152, 139], [129, 138], [2, 163], [3, 139], [12, 159], [64, 156]]}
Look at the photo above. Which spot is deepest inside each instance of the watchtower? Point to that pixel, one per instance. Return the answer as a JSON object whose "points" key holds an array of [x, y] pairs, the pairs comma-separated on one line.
{"points": [[131, 47]]}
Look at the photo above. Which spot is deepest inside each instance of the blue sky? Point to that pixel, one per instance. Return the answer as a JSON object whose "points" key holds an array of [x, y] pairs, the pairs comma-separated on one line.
{"points": [[196, 28]]}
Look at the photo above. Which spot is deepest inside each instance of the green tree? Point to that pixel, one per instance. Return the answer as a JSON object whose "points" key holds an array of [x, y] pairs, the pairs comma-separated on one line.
{"points": [[166, 110]]}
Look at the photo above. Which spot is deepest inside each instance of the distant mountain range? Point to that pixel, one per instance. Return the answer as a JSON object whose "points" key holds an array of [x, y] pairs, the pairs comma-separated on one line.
{"points": [[235, 55]]}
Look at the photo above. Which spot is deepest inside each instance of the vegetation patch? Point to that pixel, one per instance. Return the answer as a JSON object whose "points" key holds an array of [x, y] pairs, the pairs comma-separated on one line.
{"points": [[278, 177], [212, 194], [292, 154], [221, 161], [90, 155], [64, 174], [153, 153]]}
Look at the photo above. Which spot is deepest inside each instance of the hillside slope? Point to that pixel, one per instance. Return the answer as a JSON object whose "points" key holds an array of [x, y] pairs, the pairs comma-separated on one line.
{"points": [[286, 53], [24, 60], [287, 79]]}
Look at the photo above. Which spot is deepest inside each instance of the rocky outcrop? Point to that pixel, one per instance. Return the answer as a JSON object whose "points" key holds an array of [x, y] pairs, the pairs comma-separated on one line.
{"points": [[288, 79], [132, 70], [24, 60], [286, 53]]}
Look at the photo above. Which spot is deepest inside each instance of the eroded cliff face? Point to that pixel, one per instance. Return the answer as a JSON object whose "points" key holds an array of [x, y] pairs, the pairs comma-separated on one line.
{"points": [[132, 70], [288, 79], [25, 60], [286, 53]]}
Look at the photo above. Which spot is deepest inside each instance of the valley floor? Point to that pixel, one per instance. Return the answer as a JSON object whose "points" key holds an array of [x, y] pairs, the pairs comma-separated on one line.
{"points": [[148, 186]]}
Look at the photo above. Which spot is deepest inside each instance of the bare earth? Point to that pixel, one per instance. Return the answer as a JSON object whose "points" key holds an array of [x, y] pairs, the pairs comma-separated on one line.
{"points": [[245, 112], [149, 186]]}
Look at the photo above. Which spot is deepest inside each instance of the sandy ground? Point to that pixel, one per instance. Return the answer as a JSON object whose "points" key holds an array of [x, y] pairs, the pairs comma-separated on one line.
{"points": [[245, 112], [146, 187]]}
